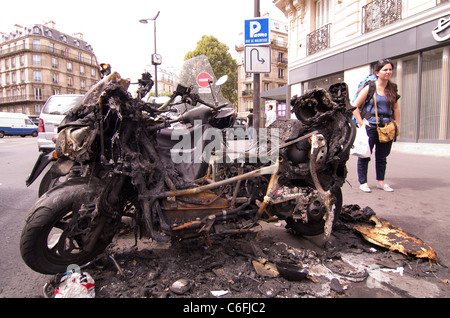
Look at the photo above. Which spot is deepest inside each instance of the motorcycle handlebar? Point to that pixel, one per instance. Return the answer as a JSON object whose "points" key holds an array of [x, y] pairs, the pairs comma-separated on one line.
{"points": [[162, 125], [212, 106], [185, 117], [168, 102], [189, 98]]}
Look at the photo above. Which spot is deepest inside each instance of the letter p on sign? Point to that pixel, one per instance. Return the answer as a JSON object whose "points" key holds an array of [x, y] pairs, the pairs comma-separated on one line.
{"points": [[255, 27]]}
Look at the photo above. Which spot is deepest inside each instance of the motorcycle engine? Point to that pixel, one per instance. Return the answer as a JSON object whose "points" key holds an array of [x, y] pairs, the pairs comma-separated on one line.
{"points": [[299, 152]]}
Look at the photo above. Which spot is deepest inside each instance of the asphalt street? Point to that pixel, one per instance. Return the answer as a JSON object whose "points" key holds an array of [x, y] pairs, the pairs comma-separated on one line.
{"points": [[17, 157]]}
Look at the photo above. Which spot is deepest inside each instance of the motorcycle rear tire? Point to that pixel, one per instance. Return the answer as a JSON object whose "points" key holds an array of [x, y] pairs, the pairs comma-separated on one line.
{"points": [[47, 214], [314, 228]]}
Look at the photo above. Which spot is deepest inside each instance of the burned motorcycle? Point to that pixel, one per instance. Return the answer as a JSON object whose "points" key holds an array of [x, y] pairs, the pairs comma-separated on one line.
{"points": [[169, 168]]}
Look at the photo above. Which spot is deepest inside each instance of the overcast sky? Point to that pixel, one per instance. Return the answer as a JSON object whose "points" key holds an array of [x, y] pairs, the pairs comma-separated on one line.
{"points": [[112, 27]]}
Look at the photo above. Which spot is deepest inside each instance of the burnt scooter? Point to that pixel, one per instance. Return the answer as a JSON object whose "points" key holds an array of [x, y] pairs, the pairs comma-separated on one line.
{"points": [[166, 166]]}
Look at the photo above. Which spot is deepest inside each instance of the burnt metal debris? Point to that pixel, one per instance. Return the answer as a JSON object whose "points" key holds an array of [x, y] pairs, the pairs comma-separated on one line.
{"points": [[261, 267], [258, 266]]}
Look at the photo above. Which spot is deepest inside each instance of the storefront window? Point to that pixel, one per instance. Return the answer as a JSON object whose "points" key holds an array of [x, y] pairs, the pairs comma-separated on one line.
{"points": [[407, 69], [281, 110], [426, 119], [430, 110], [446, 59]]}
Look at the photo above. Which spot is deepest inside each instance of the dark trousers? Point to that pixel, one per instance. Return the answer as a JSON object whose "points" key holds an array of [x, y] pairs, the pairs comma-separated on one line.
{"points": [[382, 150]]}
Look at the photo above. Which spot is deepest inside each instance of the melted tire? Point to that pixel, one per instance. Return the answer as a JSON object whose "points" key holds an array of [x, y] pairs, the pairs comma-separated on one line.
{"points": [[49, 212]]}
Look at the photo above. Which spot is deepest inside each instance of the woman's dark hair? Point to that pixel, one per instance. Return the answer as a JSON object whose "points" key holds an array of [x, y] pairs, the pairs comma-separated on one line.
{"points": [[391, 88]]}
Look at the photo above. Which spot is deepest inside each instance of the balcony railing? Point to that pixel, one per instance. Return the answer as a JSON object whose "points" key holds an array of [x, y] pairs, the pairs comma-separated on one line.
{"points": [[380, 13], [318, 40], [281, 60], [22, 98], [281, 44], [247, 92], [47, 49]]}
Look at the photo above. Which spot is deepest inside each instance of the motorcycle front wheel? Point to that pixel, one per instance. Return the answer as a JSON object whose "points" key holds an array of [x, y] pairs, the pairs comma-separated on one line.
{"points": [[58, 226]]}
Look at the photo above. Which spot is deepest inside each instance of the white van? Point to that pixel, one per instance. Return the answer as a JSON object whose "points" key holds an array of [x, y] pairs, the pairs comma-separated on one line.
{"points": [[55, 109], [16, 124]]}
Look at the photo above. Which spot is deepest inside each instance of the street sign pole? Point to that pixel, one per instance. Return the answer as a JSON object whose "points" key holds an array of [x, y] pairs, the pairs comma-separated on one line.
{"points": [[256, 86]]}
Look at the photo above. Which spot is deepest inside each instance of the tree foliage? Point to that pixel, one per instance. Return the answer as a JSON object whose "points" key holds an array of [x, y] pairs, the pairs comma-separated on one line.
{"points": [[221, 61]]}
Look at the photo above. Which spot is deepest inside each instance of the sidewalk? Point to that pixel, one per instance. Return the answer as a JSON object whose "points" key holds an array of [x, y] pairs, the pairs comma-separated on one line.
{"points": [[442, 150], [420, 202]]}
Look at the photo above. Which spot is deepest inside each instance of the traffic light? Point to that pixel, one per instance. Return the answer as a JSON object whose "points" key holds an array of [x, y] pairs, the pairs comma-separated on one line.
{"points": [[105, 69]]}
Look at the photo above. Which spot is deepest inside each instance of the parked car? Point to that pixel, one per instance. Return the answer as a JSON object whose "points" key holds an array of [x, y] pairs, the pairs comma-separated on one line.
{"points": [[34, 119], [240, 122], [239, 128], [53, 112], [16, 124]]}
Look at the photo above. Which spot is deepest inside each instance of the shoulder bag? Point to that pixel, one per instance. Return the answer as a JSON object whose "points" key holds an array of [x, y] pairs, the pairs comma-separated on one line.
{"points": [[390, 131]]}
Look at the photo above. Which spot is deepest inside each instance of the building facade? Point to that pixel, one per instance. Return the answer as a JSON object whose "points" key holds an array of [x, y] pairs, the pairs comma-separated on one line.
{"points": [[167, 81], [278, 76], [341, 40], [39, 61]]}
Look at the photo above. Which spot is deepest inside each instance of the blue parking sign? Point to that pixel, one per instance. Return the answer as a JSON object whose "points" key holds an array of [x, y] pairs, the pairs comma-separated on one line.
{"points": [[257, 31]]}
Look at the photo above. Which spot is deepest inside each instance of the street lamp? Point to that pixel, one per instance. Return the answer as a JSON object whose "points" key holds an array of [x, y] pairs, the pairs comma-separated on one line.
{"points": [[156, 58]]}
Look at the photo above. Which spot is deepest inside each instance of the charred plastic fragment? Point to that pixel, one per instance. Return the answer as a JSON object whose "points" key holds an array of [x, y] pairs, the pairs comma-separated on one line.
{"points": [[394, 238], [291, 271]]}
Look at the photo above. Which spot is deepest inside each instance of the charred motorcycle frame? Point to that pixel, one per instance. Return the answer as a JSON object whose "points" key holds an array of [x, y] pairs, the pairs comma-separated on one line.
{"points": [[122, 148]]}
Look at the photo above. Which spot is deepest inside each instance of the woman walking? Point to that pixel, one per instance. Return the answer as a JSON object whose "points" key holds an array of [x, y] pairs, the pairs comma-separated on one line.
{"points": [[387, 105]]}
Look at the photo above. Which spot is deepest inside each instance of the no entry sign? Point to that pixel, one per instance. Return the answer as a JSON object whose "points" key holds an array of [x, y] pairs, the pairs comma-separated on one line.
{"points": [[203, 79]]}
